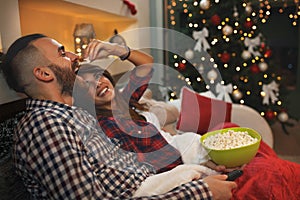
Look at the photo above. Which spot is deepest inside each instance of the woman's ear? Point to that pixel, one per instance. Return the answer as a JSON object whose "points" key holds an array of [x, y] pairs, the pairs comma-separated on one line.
{"points": [[43, 74]]}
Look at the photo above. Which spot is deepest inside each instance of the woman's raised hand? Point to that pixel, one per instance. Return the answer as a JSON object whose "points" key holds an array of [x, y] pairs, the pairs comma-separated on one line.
{"points": [[98, 49]]}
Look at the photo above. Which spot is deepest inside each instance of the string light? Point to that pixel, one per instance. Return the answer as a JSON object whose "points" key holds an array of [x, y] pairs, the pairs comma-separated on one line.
{"points": [[293, 16], [264, 10], [177, 7]]}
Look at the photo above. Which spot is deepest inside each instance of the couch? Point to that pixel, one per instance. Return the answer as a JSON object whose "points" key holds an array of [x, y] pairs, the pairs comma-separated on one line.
{"points": [[244, 116], [12, 188]]}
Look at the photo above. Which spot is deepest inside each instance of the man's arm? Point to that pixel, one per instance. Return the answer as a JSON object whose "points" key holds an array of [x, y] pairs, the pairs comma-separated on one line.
{"points": [[58, 160]]}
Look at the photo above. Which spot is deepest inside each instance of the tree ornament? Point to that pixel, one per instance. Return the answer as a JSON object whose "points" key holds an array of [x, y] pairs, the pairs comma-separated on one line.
{"points": [[248, 24], [248, 9], [270, 92], [270, 115], [283, 117], [189, 54], [235, 12], [252, 45], [254, 68], [237, 94], [215, 20], [263, 66], [201, 43], [181, 66], [246, 55], [130, 6], [204, 4], [212, 75], [268, 53], [225, 57], [262, 46], [227, 30], [223, 92], [201, 68]]}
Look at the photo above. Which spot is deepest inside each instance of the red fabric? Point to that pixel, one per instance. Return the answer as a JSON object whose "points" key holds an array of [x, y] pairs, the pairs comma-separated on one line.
{"points": [[140, 136], [130, 6], [200, 114], [268, 177]]}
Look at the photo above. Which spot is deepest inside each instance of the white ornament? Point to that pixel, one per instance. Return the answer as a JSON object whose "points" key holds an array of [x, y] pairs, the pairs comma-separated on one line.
{"points": [[235, 12], [227, 30], [237, 95], [270, 92], [248, 9], [224, 91], [283, 117], [201, 69], [189, 54], [201, 43], [252, 44], [212, 75], [246, 55], [204, 4], [263, 66]]}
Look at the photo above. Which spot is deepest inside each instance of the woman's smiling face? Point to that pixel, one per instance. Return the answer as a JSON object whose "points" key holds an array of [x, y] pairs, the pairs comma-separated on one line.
{"points": [[100, 88]]}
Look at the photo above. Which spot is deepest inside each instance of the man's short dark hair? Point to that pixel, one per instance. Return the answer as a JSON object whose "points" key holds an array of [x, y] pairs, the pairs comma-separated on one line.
{"points": [[6, 67]]}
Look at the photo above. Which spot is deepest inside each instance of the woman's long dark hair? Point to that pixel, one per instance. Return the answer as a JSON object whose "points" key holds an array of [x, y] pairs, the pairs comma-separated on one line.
{"points": [[122, 105]]}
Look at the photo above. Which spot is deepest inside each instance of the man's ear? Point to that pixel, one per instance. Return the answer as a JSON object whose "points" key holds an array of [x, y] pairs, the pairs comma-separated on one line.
{"points": [[43, 74]]}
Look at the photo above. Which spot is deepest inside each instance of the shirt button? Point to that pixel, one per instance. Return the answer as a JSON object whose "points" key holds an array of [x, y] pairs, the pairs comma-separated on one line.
{"points": [[139, 132]]}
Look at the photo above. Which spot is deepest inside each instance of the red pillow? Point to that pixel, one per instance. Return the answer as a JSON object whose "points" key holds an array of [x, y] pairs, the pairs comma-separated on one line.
{"points": [[200, 114]]}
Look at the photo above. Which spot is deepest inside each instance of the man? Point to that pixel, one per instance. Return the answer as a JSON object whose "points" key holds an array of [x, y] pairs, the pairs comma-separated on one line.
{"points": [[59, 150]]}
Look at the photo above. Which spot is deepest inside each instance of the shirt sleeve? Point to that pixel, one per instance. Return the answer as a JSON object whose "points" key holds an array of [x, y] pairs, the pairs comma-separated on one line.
{"points": [[192, 190], [136, 86], [55, 150]]}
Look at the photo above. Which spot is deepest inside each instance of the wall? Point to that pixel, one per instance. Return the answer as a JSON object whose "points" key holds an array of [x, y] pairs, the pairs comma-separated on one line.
{"points": [[58, 18], [11, 28]]}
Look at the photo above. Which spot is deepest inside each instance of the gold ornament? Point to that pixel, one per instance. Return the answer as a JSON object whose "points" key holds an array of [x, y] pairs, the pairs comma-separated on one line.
{"points": [[204, 4], [283, 117], [227, 30], [237, 95]]}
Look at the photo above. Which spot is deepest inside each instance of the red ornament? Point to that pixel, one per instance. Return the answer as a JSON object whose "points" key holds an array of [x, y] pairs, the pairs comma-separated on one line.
{"points": [[130, 6], [215, 19], [248, 24], [181, 66], [225, 57], [270, 115], [268, 53], [254, 69], [263, 45]]}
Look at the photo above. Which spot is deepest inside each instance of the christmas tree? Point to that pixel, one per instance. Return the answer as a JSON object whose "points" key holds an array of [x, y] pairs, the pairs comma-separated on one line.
{"points": [[243, 69]]}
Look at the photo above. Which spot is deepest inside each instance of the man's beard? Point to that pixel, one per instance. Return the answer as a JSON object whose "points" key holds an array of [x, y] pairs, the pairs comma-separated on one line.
{"points": [[65, 77]]}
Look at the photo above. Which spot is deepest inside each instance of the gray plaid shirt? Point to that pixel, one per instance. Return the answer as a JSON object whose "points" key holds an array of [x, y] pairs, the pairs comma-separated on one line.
{"points": [[61, 153]]}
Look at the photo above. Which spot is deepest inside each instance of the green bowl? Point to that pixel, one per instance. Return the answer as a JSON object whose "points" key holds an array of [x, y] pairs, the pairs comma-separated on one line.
{"points": [[233, 157]]}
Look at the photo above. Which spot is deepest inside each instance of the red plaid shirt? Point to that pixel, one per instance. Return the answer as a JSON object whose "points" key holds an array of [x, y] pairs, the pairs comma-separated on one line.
{"points": [[140, 136]]}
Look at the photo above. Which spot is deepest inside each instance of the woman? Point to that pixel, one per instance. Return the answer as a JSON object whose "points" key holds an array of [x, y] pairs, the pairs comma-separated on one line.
{"points": [[116, 110], [265, 177]]}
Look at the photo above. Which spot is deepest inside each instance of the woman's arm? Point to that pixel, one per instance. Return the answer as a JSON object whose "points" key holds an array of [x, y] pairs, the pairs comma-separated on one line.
{"points": [[98, 49], [142, 61]]}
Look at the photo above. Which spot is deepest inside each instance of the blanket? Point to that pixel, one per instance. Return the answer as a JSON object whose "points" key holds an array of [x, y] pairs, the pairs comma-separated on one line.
{"points": [[268, 177]]}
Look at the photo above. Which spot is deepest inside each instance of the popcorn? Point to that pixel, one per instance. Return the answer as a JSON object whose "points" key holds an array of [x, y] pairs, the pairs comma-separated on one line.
{"points": [[229, 140]]}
